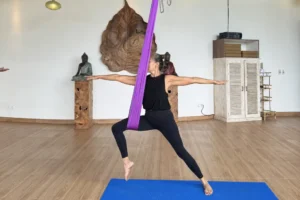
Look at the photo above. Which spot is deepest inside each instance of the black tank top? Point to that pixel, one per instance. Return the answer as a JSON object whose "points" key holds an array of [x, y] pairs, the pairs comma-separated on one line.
{"points": [[155, 96]]}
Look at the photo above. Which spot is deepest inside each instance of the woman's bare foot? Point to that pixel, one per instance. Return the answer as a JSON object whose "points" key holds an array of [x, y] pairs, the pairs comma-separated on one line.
{"points": [[207, 188], [127, 167]]}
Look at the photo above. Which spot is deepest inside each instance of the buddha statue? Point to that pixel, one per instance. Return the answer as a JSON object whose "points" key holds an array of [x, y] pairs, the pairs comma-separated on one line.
{"points": [[84, 69]]}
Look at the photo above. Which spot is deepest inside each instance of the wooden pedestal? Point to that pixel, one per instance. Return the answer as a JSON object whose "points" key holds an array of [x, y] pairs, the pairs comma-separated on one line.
{"points": [[173, 99], [83, 104]]}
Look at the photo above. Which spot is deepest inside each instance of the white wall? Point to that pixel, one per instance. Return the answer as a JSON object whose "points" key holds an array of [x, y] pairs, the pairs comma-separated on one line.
{"points": [[43, 48]]}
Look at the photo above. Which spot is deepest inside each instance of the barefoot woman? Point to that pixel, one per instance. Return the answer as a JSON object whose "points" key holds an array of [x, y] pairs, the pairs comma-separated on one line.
{"points": [[158, 115]]}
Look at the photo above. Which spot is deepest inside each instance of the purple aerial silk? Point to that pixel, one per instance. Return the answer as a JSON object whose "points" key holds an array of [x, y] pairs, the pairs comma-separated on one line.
{"points": [[138, 93]]}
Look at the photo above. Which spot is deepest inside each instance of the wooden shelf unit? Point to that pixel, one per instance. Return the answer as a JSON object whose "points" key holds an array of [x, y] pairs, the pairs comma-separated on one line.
{"points": [[235, 48], [266, 99], [239, 99]]}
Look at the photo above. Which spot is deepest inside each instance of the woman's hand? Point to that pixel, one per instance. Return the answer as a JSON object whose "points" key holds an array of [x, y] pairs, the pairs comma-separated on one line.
{"points": [[2, 69], [91, 77], [220, 82]]}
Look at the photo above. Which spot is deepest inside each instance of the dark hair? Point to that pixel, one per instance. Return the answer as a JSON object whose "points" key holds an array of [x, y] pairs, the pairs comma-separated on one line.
{"points": [[165, 65]]}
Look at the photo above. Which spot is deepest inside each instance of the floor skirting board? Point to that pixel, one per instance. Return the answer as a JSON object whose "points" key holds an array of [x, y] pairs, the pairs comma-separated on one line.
{"points": [[112, 121], [37, 121], [96, 121], [180, 119], [288, 114]]}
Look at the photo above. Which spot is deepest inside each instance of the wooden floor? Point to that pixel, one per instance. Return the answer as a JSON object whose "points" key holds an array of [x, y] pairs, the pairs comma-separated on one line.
{"points": [[55, 162]]}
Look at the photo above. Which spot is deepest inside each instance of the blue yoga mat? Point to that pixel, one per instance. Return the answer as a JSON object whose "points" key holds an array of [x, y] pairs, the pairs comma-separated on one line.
{"points": [[185, 190]]}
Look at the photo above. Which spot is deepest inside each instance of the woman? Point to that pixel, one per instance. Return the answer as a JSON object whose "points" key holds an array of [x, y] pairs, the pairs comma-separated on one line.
{"points": [[157, 108]]}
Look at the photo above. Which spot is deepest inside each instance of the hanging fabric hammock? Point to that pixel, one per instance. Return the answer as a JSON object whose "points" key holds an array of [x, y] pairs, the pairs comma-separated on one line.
{"points": [[138, 93]]}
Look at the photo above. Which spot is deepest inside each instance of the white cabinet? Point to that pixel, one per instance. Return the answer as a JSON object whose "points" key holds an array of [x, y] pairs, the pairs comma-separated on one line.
{"points": [[239, 99]]}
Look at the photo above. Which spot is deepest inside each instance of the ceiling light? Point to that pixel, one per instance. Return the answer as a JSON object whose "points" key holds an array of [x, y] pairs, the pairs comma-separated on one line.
{"points": [[53, 5]]}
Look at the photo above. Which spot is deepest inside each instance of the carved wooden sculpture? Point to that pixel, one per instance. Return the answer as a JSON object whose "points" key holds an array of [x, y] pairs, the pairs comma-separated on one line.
{"points": [[123, 40], [173, 91], [122, 43], [173, 99]]}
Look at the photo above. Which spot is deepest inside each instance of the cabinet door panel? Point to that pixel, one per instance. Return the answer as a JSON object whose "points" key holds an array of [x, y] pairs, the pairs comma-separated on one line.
{"points": [[236, 89], [252, 88]]}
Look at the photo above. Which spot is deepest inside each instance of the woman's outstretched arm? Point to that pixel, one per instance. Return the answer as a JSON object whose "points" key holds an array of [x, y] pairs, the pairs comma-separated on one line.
{"points": [[182, 81], [128, 80]]}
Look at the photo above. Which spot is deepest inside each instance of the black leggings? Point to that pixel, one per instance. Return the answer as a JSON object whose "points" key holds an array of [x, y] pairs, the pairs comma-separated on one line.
{"points": [[165, 123]]}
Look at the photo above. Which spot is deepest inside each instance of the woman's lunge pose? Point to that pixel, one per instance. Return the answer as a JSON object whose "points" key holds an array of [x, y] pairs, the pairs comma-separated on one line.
{"points": [[158, 114]]}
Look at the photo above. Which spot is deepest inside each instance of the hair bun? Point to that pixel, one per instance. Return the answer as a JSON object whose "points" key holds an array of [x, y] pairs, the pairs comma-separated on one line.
{"points": [[164, 60], [167, 57], [158, 57]]}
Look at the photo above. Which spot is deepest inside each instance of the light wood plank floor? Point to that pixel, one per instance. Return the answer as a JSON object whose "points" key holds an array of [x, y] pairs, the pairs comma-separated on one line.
{"points": [[55, 162]]}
